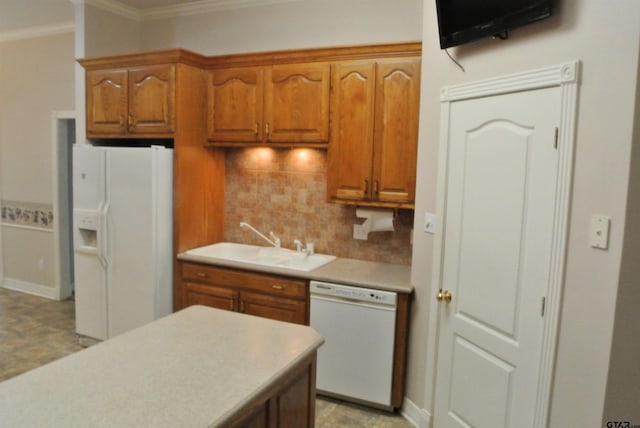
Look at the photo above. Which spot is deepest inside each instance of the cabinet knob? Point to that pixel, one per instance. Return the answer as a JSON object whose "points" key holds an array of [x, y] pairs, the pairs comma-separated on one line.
{"points": [[266, 128], [278, 287], [201, 275]]}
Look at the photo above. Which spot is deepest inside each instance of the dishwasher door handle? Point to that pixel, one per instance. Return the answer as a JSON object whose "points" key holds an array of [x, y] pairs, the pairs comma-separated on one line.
{"points": [[354, 302]]}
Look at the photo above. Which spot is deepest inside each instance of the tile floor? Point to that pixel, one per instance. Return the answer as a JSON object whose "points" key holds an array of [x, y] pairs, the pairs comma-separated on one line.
{"points": [[35, 331]]}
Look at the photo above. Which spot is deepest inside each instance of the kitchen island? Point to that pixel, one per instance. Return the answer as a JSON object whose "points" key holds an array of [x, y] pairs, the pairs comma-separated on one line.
{"points": [[199, 367]]}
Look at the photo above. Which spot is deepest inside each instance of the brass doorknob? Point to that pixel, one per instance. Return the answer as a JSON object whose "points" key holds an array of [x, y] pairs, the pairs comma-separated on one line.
{"points": [[444, 296]]}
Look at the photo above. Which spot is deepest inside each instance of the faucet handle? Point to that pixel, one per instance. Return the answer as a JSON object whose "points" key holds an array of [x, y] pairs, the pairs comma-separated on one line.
{"points": [[298, 245], [275, 239]]}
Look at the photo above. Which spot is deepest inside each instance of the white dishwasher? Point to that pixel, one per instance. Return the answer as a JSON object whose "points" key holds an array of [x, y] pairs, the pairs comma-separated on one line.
{"points": [[358, 325]]}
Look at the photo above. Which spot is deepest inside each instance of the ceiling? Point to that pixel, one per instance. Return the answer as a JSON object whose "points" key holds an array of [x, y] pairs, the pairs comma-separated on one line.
{"points": [[17, 15]]}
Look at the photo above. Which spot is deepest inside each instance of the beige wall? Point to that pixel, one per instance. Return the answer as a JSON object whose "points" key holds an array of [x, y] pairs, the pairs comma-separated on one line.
{"points": [[301, 24], [36, 78], [606, 40], [107, 33], [623, 386]]}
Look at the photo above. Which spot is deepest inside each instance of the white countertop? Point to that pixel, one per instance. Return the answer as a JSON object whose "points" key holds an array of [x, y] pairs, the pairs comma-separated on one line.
{"points": [[193, 368], [383, 276]]}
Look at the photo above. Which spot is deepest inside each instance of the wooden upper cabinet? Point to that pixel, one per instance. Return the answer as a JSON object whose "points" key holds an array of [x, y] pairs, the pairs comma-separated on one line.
{"points": [[235, 104], [395, 144], [107, 104], [152, 99], [351, 146], [296, 105], [278, 105], [374, 132], [136, 101]]}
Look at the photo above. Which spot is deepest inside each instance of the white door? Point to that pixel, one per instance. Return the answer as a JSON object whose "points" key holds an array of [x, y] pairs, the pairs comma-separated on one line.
{"points": [[499, 212]]}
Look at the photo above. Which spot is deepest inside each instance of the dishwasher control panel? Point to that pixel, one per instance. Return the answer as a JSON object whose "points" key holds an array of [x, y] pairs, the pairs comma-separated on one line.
{"points": [[353, 293]]}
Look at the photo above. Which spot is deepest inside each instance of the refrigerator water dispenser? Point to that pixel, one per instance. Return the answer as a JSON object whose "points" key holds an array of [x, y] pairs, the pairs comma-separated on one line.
{"points": [[86, 225]]}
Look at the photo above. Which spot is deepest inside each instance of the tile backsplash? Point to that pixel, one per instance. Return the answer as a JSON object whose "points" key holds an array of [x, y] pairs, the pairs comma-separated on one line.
{"points": [[284, 191]]}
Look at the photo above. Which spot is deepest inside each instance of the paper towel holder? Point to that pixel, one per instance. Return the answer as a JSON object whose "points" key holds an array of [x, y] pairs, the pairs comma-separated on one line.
{"points": [[377, 220]]}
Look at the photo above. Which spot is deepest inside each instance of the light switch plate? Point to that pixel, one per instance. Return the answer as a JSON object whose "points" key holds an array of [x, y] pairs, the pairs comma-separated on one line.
{"points": [[599, 231], [430, 223]]}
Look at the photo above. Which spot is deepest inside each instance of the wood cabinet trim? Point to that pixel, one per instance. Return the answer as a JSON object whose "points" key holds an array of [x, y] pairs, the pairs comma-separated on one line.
{"points": [[168, 56], [391, 50], [184, 56]]}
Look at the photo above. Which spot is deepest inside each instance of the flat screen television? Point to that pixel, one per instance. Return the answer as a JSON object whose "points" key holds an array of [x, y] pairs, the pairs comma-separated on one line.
{"points": [[462, 21]]}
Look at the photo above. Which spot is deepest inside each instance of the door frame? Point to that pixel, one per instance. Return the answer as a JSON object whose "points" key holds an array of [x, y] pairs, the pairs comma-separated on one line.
{"points": [[566, 77], [62, 246]]}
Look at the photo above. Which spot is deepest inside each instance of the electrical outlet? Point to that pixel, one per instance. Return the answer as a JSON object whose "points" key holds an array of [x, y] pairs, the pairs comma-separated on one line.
{"points": [[599, 231], [359, 232]]}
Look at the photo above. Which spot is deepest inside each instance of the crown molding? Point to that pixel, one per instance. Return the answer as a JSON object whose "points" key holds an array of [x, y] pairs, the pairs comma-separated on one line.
{"points": [[114, 6], [191, 8], [37, 31], [206, 6]]}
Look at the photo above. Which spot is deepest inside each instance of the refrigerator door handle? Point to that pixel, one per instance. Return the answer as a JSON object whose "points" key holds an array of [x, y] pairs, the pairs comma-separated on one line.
{"points": [[102, 238]]}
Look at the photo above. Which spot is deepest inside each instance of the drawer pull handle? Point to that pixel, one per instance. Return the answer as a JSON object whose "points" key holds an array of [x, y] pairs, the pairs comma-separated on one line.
{"points": [[278, 287], [201, 275]]}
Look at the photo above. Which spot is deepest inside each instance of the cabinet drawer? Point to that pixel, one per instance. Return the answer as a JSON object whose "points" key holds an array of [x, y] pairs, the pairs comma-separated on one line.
{"points": [[209, 295], [275, 308], [271, 284]]}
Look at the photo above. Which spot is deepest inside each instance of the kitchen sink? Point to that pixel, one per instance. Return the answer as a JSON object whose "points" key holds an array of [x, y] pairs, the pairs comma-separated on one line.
{"points": [[264, 256]]}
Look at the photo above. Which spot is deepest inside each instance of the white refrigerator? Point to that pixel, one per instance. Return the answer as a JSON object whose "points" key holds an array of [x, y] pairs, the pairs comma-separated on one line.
{"points": [[122, 222]]}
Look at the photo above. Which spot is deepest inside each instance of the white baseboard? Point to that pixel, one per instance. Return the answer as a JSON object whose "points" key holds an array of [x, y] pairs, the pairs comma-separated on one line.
{"points": [[414, 414], [30, 288]]}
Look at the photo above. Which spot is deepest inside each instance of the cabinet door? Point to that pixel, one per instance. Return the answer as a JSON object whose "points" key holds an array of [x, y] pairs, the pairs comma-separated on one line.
{"points": [[396, 130], [207, 295], [351, 146], [235, 105], [297, 103], [152, 99], [272, 307], [106, 101]]}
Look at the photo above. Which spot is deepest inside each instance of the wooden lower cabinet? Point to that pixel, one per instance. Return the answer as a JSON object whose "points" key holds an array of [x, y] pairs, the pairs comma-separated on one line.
{"points": [[268, 296], [277, 308], [208, 295], [289, 403]]}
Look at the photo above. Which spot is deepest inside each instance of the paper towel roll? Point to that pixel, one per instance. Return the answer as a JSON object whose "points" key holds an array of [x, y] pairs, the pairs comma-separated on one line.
{"points": [[378, 219]]}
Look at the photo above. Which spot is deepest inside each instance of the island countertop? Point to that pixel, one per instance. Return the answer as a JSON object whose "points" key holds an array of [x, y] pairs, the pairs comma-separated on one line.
{"points": [[198, 367]]}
